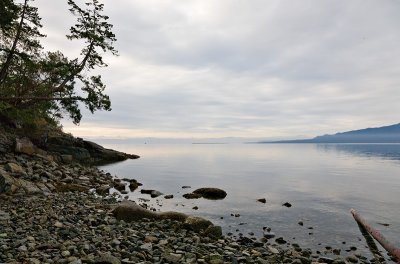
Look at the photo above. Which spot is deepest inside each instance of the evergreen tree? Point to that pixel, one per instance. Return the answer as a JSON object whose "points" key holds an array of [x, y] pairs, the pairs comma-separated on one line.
{"points": [[48, 82]]}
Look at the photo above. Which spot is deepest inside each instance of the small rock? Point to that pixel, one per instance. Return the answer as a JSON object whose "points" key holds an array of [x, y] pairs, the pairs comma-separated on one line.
{"points": [[262, 200], [287, 204]]}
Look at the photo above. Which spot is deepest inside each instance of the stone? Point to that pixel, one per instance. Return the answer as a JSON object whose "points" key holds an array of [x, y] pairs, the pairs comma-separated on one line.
{"points": [[213, 232], [169, 196], [107, 259], [262, 200], [29, 187], [268, 235], [191, 196], [211, 193], [287, 204], [24, 145], [197, 223], [273, 250], [352, 259], [66, 158], [103, 189], [120, 186], [129, 211], [14, 168], [155, 194], [7, 183], [280, 240], [147, 246], [172, 257]]}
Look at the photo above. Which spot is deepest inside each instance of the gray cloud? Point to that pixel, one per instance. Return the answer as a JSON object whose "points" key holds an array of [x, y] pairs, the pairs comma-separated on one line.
{"points": [[246, 68]]}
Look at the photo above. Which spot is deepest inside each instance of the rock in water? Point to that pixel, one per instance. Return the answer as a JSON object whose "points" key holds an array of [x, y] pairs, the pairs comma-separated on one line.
{"points": [[211, 193], [197, 223], [262, 200], [287, 204], [192, 195]]}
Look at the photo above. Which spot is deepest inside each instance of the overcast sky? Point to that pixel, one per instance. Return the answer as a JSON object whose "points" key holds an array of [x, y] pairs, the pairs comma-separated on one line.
{"points": [[258, 68]]}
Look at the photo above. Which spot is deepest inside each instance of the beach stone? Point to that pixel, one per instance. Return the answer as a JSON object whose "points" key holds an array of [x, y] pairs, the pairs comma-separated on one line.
{"points": [[287, 204], [24, 145], [169, 196], [197, 223], [14, 168], [172, 257], [192, 196], [7, 183], [155, 194], [211, 193], [262, 200], [352, 259], [29, 187], [107, 259], [104, 189], [133, 185], [129, 211], [213, 231]]}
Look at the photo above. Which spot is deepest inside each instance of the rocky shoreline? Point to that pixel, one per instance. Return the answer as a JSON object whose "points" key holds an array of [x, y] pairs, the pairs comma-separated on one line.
{"points": [[52, 211]]}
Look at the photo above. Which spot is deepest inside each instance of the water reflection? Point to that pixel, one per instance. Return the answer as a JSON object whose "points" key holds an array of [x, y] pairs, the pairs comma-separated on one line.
{"points": [[321, 181], [384, 151]]}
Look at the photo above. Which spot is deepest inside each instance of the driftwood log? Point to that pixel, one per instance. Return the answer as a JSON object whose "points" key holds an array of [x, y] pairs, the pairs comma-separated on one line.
{"points": [[395, 252]]}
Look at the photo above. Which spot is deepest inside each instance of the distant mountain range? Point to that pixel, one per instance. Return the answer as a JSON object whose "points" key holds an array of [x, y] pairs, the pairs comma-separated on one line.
{"points": [[385, 134]]}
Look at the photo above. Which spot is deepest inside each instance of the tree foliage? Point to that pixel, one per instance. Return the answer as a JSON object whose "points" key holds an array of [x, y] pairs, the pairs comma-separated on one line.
{"points": [[48, 82]]}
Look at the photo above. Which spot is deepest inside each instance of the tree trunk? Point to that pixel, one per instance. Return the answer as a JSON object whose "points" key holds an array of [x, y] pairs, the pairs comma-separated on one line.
{"points": [[3, 72], [395, 252]]}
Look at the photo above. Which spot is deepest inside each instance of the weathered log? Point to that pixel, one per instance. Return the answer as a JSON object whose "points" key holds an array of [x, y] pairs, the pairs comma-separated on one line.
{"points": [[395, 252]]}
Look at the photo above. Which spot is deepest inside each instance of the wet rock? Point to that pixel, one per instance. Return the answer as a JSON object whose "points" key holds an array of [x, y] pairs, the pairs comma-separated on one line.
{"points": [[280, 240], [213, 232], [352, 259], [191, 196], [120, 186], [269, 235], [169, 196], [155, 194], [262, 200], [197, 223], [211, 193], [104, 189], [186, 187], [287, 204], [133, 186]]}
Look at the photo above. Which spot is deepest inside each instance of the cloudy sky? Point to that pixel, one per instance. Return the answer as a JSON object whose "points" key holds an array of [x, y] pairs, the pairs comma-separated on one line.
{"points": [[259, 68]]}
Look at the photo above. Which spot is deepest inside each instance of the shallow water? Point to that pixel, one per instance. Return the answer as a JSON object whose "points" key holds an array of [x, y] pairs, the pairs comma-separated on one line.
{"points": [[322, 182]]}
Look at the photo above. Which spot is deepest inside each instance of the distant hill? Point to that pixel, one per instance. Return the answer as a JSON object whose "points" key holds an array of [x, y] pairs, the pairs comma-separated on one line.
{"points": [[385, 134]]}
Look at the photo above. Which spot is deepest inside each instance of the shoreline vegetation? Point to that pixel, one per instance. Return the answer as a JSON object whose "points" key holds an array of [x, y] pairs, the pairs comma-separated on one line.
{"points": [[56, 207]]}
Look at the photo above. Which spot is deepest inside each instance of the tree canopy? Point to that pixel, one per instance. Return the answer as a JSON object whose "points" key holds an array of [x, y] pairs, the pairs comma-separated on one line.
{"points": [[47, 82]]}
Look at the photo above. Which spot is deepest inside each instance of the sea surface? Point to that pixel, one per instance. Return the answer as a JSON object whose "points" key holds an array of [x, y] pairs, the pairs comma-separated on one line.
{"points": [[321, 181]]}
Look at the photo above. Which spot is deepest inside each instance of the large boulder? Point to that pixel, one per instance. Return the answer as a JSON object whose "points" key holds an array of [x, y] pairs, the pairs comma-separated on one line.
{"points": [[197, 223], [129, 212], [211, 193]]}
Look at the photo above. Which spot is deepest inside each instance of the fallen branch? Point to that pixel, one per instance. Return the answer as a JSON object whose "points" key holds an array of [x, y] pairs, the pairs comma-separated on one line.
{"points": [[395, 252]]}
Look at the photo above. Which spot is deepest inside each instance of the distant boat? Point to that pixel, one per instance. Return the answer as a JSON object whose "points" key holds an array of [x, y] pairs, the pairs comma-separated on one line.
{"points": [[385, 134]]}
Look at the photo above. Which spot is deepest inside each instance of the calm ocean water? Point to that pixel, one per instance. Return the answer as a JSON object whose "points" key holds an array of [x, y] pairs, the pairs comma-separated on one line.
{"points": [[322, 182]]}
